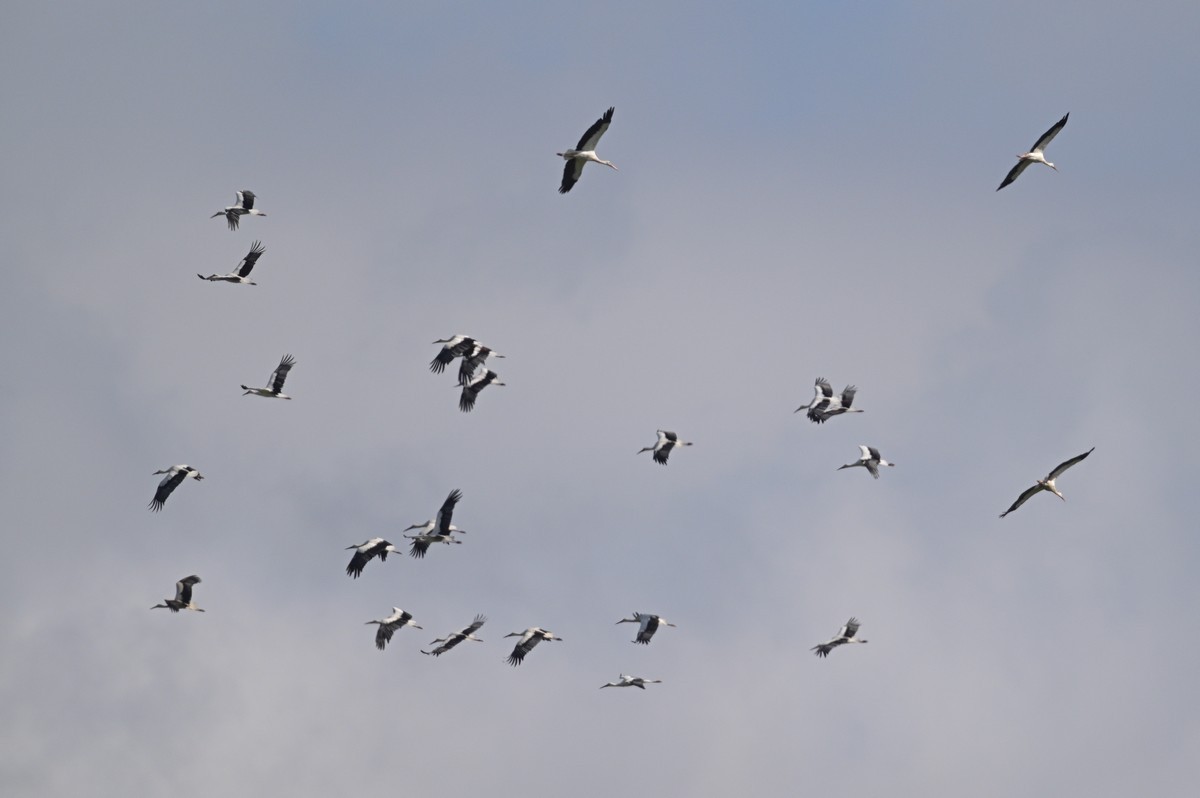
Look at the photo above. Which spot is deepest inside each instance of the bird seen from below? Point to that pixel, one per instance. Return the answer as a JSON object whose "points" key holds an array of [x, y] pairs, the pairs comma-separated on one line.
{"points": [[245, 207], [1036, 154], [365, 552], [274, 389], [647, 625], [388, 626], [846, 635], [663, 446], [175, 475], [870, 460], [529, 638], [454, 638], [242, 273], [584, 152], [1047, 484]]}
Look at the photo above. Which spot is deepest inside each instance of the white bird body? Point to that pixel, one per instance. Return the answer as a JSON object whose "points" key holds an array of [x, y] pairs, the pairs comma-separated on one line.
{"points": [[472, 360], [1047, 484], [585, 152], [175, 475], [1036, 153], [365, 552], [826, 404], [454, 346], [388, 626], [662, 447], [470, 391], [183, 596], [870, 460], [454, 638], [631, 681], [529, 638], [437, 529], [844, 636], [242, 273], [647, 625], [274, 389], [245, 207]]}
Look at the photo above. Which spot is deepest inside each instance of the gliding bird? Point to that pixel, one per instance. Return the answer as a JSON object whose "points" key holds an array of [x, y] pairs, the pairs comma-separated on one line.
{"points": [[245, 207], [1047, 483], [529, 638], [387, 626], [846, 635], [275, 389], [631, 681], [870, 460], [183, 596], [175, 475], [648, 625], [366, 551], [454, 638], [242, 273], [584, 151], [1035, 155], [663, 446]]}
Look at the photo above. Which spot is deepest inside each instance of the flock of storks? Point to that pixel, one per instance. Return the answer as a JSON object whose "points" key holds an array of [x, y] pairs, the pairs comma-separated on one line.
{"points": [[474, 376]]}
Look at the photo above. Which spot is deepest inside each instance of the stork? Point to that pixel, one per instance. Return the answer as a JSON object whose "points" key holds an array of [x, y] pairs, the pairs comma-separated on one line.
{"points": [[183, 596], [366, 551], [1047, 483], [846, 635], [663, 446], [1036, 154], [585, 151], [826, 404], [472, 360], [631, 681], [245, 207], [529, 638], [648, 625], [454, 346], [470, 391], [438, 529], [275, 388], [454, 638], [387, 626], [870, 460], [175, 475], [242, 273]]}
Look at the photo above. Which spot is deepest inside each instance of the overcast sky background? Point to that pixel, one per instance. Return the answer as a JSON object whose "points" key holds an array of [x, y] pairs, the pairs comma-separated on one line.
{"points": [[804, 190]]}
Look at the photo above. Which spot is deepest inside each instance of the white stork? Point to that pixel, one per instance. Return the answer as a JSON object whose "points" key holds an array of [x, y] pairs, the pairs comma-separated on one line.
{"points": [[242, 273], [183, 596], [1048, 482], [454, 638], [585, 151], [647, 625], [175, 475], [438, 529], [472, 360], [870, 460], [470, 391], [366, 551], [275, 388], [1035, 155], [245, 207], [454, 346], [529, 638], [846, 635], [631, 681], [663, 446], [826, 404], [387, 626]]}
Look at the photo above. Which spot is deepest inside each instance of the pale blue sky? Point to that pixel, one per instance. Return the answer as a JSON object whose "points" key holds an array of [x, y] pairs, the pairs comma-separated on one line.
{"points": [[804, 190]]}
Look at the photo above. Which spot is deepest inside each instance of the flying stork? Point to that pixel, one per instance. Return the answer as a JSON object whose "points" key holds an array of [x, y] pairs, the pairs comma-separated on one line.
{"points": [[242, 273], [438, 529], [454, 638], [275, 389], [585, 151], [663, 446], [1048, 482], [648, 625], [472, 360], [366, 551], [846, 635], [870, 460], [470, 390], [529, 638], [631, 681], [387, 626], [183, 596], [826, 404], [454, 346], [245, 207], [1036, 154], [175, 475]]}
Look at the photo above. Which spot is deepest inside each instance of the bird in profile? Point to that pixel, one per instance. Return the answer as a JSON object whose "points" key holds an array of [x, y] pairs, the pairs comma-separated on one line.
{"points": [[472, 360], [183, 596], [437, 529], [647, 625], [663, 446], [175, 475], [245, 207], [584, 152], [826, 404], [1036, 154], [529, 638], [454, 638], [388, 626], [365, 552], [470, 390], [631, 681], [846, 635], [452, 347], [242, 273], [274, 389], [1047, 484], [870, 460]]}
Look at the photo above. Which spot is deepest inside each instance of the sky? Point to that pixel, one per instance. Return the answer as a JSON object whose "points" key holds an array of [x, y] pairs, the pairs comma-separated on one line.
{"points": [[805, 190]]}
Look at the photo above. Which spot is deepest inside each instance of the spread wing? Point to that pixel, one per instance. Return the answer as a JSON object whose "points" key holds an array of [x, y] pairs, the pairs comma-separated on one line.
{"points": [[571, 174], [446, 514], [1024, 497], [357, 563], [168, 484], [592, 137], [247, 265], [246, 198], [1014, 173], [522, 648], [848, 395], [281, 372], [479, 621], [1049, 135], [1067, 464]]}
